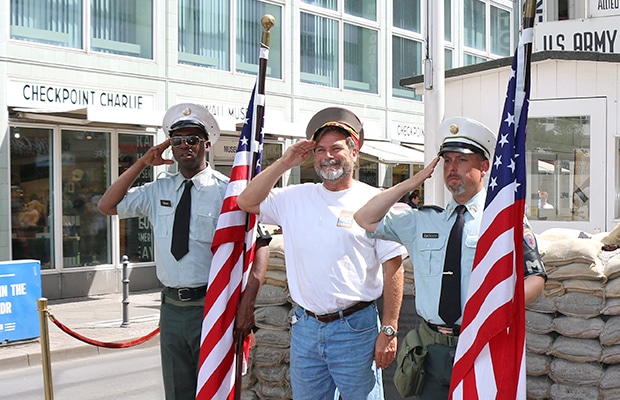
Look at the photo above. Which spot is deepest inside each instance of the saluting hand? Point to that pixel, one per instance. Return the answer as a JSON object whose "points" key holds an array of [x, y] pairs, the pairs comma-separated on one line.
{"points": [[154, 155], [295, 155]]}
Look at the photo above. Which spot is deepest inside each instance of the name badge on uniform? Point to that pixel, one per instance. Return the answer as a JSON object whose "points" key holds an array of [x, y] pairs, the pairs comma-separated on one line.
{"points": [[165, 203], [432, 235], [346, 219]]}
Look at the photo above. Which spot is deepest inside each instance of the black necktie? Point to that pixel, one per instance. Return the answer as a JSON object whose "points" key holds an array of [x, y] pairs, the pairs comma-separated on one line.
{"points": [[450, 301], [180, 229]]}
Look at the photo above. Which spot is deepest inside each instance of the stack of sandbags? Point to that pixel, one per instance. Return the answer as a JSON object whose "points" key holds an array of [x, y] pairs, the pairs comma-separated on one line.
{"points": [[573, 331], [268, 372]]}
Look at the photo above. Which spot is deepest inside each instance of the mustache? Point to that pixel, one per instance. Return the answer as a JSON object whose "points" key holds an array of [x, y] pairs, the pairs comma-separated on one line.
{"points": [[327, 163]]}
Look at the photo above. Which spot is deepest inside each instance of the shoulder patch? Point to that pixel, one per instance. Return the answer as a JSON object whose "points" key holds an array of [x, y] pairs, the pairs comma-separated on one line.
{"points": [[431, 207], [529, 238]]}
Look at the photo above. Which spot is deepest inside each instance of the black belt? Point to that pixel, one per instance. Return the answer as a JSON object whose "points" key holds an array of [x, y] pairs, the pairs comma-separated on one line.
{"points": [[344, 313], [444, 330], [185, 294]]}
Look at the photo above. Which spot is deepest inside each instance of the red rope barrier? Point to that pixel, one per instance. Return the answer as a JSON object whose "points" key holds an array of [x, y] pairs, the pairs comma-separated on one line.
{"points": [[110, 345]]}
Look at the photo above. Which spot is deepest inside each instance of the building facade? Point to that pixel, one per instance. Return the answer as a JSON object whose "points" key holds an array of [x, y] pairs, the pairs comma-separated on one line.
{"points": [[86, 84]]}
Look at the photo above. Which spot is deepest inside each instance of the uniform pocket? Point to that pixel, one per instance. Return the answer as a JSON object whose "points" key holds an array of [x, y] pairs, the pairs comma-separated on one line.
{"points": [[165, 221], [432, 252]]}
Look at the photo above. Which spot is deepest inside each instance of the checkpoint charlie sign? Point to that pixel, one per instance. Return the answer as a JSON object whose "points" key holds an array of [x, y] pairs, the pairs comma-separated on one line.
{"points": [[598, 35]]}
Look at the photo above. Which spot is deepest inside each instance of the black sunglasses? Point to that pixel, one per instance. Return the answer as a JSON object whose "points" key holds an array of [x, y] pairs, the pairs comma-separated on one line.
{"points": [[192, 140]]}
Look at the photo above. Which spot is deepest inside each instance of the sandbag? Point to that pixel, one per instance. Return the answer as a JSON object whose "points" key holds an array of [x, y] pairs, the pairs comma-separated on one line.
{"points": [[578, 327]]}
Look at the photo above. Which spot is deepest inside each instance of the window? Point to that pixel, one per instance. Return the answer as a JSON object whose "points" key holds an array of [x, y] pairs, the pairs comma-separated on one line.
{"points": [[406, 15], [249, 33], [55, 22], [500, 32], [319, 50], [406, 46], [85, 177], [136, 234], [406, 61], [361, 8], [360, 59], [31, 195], [558, 154], [122, 27], [329, 4], [369, 172], [487, 31], [335, 50], [447, 16], [204, 33], [474, 16]]}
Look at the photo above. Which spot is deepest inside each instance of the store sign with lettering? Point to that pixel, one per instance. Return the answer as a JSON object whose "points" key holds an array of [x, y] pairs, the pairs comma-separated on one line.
{"points": [[408, 132], [36, 94], [599, 35], [604, 8]]}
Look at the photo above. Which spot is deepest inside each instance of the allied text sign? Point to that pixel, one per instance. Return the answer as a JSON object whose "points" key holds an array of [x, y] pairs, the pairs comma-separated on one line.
{"points": [[604, 8]]}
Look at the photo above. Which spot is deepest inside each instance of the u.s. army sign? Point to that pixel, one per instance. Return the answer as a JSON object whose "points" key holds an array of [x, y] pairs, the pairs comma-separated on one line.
{"points": [[599, 35]]}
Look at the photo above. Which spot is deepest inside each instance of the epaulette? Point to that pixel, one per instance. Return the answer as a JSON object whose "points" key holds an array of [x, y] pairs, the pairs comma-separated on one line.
{"points": [[431, 207]]}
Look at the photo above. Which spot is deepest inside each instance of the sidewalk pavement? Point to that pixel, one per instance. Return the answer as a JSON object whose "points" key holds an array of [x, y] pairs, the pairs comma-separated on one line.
{"points": [[97, 317]]}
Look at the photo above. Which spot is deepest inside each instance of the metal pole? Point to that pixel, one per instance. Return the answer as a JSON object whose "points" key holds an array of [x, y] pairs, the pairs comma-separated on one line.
{"points": [[45, 349], [434, 96], [125, 323]]}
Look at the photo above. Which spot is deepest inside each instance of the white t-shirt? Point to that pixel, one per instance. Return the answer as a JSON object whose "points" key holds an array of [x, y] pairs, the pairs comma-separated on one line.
{"points": [[330, 262]]}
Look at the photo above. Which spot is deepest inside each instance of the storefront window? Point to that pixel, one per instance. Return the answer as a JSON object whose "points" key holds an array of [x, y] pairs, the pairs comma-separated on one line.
{"points": [[400, 173], [136, 234], [558, 156], [31, 195], [85, 177], [369, 172]]}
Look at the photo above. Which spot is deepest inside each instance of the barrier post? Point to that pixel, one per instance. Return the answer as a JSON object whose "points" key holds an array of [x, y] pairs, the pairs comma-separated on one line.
{"points": [[45, 349], [125, 323]]}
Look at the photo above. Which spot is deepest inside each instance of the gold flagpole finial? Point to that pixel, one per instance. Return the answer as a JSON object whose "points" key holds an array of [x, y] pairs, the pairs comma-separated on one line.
{"points": [[268, 21]]}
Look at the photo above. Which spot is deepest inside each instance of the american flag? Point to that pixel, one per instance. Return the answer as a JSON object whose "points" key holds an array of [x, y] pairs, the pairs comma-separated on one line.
{"points": [[490, 360], [233, 253]]}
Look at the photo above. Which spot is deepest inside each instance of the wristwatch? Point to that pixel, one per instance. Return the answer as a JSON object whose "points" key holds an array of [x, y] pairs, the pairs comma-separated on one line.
{"points": [[388, 330]]}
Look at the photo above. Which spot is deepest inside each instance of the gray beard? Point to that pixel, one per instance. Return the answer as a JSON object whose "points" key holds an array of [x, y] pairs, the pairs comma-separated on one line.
{"points": [[460, 189], [331, 174]]}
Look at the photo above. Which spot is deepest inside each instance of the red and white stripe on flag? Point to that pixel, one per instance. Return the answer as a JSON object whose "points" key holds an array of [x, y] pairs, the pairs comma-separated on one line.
{"points": [[490, 354], [233, 253]]}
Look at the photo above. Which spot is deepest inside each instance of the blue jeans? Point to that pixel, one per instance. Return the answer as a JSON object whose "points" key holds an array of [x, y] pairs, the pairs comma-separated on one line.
{"points": [[326, 355]]}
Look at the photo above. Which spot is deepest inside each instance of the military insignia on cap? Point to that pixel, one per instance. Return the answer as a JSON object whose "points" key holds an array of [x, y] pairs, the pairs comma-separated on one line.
{"points": [[454, 129], [187, 111]]}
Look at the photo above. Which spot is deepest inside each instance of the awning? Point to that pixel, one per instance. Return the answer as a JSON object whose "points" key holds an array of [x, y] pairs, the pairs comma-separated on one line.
{"points": [[390, 153]]}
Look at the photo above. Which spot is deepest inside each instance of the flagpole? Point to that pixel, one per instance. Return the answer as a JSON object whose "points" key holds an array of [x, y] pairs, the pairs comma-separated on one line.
{"points": [[267, 21]]}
